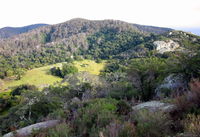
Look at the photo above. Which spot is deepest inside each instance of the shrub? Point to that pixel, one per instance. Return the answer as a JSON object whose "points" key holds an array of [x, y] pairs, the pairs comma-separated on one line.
{"points": [[119, 129], [145, 74], [56, 71], [78, 58], [128, 130], [192, 125], [152, 124], [68, 69], [123, 90], [61, 130], [190, 102], [4, 104], [95, 116], [123, 108], [22, 88], [98, 60]]}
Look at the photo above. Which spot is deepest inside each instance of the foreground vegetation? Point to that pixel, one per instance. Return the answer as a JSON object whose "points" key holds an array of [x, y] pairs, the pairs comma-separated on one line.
{"points": [[101, 105]]}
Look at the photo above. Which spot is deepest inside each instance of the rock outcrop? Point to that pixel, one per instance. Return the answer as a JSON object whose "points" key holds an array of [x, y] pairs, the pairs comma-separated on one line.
{"points": [[166, 46], [26, 131], [175, 84], [155, 106]]}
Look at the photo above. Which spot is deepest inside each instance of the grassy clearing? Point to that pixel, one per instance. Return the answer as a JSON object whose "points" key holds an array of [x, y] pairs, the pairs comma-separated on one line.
{"points": [[90, 66], [40, 77]]}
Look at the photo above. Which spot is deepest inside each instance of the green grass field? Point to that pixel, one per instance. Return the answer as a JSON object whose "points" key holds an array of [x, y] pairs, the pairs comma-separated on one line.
{"points": [[40, 77], [90, 66]]}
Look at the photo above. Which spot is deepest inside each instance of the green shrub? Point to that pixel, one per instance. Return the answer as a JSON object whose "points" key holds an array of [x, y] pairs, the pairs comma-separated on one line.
{"points": [[123, 108], [68, 69], [94, 116], [123, 90], [22, 88], [152, 124], [61, 130], [145, 74], [56, 71]]}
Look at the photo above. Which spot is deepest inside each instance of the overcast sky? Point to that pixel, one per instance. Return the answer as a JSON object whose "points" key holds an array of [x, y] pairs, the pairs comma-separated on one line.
{"points": [[164, 13]]}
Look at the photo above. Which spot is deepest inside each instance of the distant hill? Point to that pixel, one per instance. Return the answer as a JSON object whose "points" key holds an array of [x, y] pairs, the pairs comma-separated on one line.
{"points": [[11, 31], [152, 29], [195, 31], [73, 35]]}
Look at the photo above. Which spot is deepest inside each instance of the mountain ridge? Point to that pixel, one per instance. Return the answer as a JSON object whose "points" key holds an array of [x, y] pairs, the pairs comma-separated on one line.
{"points": [[7, 32]]}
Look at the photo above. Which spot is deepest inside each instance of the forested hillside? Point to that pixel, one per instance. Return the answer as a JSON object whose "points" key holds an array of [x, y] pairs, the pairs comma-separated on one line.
{"points": [[77, 37]]}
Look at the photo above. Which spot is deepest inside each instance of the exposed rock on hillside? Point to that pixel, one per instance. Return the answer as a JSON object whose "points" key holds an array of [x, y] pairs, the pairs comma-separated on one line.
{"points": [[166, 46], [175, 83], [155, 106], [26, 131]]}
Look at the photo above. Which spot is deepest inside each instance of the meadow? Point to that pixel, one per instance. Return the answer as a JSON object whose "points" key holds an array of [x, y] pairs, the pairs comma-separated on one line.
{"points": [[41, 77]]}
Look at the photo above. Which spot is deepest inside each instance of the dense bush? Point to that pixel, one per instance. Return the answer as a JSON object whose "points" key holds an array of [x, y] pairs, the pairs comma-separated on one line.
{"points": [[119, 129], [152, 124], [95, 116], [22, 88], [61, 130], [56, 71], [145, 74], [190, 102], [68, 69], [186, 63], [123, 90], [192, 125]]}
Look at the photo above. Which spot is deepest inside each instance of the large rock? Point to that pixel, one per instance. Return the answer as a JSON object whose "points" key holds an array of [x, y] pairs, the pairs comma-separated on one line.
{"points": [[26, 131], [166, 46], [154, 106], [172, 85]]}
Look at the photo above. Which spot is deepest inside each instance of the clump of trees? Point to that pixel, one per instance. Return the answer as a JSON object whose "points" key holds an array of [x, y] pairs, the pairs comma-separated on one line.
{"points": [[67, 68]]}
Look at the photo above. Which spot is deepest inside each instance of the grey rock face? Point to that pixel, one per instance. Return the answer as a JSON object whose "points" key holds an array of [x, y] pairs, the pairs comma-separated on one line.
{"points": [[26, 131], [166, 46], [154, 106], [175, 83]]}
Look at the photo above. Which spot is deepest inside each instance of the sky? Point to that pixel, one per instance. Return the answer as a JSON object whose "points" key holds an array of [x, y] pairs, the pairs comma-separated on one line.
{"points": [[180, 14]]}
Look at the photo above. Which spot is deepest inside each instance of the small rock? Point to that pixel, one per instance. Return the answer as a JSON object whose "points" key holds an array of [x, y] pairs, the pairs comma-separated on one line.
{"points": [[75, 100]]}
